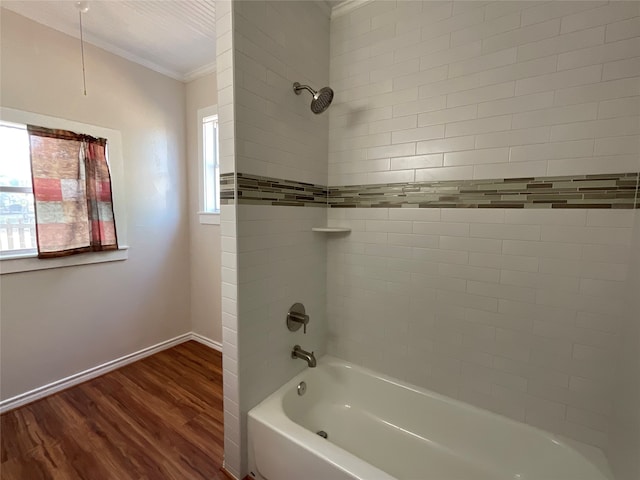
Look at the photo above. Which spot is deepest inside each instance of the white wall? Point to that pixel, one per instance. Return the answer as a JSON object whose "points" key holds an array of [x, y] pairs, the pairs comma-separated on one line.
{"points": [[277, 44], [451, 90], [514, 311], [505, 309], [279, 260], [204, 239], [625, 425], [55, 323], [517, 311], [228, 238]]}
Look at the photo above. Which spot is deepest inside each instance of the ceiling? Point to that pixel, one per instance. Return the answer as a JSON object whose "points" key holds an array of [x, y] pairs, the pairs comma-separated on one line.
{"points": [[173, 37]]}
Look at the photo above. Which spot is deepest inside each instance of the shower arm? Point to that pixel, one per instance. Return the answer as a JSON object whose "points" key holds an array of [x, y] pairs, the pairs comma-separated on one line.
{"points": [[297, 88]]}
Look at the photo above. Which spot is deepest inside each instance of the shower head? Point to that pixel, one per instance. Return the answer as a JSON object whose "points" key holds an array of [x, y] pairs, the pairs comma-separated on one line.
{"points": [[321, 98]]}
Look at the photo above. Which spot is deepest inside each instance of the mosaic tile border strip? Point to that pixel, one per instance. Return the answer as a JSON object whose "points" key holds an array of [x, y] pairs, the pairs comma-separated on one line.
{"points": [[227, 188], [258, 190], [613, 191], [576, 191]]}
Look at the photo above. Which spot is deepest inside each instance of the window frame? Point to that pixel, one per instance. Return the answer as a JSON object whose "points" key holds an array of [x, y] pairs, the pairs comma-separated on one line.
{"points": [[10, 189], [205, 217], [28, 261]]}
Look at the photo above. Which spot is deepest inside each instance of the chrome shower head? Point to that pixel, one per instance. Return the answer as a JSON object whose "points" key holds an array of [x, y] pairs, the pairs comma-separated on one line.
{"points": [[321, 98]]}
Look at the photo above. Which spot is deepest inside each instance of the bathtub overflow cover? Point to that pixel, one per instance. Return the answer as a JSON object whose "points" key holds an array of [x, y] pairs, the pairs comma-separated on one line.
{"points": [[302, 387]]}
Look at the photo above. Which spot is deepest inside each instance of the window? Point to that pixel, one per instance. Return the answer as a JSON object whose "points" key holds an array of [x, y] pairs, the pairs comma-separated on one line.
{"points": [[17, 217], [209, 168], [210, 162], [22, 205]]}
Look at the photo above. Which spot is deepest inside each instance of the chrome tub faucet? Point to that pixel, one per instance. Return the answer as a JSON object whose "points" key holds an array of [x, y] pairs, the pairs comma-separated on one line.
{"points": [[298, 352]]}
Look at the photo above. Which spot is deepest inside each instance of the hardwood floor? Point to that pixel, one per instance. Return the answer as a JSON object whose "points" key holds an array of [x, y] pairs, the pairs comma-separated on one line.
{"points": [[159, 418]]}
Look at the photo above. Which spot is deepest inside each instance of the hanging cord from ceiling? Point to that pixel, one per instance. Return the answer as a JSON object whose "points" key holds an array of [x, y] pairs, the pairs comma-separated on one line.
{"points": [[83, 7]]}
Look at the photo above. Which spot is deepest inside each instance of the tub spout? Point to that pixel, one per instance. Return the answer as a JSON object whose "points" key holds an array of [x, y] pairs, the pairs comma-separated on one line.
{"points": [[298, 352]]}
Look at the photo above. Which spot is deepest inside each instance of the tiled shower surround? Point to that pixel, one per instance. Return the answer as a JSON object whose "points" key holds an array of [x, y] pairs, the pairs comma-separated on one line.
{"points": [[517, 311], [625, 425], [271, 259], [443, 110], [510, 308], [515, 308]]}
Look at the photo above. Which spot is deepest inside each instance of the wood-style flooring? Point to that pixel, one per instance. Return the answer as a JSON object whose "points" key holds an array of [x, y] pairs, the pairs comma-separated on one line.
{"points": [[159, 418]]}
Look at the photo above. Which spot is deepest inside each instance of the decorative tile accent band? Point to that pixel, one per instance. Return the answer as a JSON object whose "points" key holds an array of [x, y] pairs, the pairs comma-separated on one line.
{"points": [[227, 188], [257, 190], [613, 191], [576, 191]]}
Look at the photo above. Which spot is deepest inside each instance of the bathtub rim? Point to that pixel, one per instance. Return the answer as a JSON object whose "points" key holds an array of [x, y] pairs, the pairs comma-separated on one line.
{"points": [[272, 407]]}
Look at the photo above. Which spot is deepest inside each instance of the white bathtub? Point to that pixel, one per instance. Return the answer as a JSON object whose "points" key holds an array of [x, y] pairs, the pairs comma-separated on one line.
{"points": [[381, 429]]}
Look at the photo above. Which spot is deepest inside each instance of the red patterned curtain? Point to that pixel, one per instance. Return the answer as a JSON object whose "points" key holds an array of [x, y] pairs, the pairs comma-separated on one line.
{"points": [[72, 191]]}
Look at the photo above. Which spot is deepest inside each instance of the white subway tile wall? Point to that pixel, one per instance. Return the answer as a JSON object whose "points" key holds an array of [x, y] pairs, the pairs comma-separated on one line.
{"points": [[279, 260], [277, 44], [625, 424], [229, 273], [507, 309], [516, 311], [502, 89]]}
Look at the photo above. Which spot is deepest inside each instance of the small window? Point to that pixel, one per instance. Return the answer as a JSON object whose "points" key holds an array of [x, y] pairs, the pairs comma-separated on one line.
{"points": [[209, 166], [17, 215], [210, 161]]}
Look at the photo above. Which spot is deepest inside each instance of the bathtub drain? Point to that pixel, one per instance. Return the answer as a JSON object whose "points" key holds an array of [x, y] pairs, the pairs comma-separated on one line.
{"points": [[322, 433], [302, 388]]}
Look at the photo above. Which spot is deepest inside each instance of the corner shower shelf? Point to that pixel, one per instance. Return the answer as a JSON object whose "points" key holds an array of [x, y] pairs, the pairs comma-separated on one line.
{"points": [[331, 229]]}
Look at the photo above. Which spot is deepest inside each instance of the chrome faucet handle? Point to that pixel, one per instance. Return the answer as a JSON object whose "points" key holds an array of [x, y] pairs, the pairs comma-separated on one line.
{"points": [[300, 318], [297, 317]]}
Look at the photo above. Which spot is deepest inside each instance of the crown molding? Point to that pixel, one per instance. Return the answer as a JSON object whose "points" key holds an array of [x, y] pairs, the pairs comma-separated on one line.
{"points": [[199, 72], [347, 6], [130, 56], [108, 47], [185, 78], [92, 40]]}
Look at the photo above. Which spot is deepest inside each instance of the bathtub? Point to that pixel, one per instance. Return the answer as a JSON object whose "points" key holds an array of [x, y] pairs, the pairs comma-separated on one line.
{"points": [[379, 428]]}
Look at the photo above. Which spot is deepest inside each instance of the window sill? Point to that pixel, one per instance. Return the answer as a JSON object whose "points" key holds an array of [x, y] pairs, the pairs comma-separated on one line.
{"points": [[207, 218], [28, 263]]}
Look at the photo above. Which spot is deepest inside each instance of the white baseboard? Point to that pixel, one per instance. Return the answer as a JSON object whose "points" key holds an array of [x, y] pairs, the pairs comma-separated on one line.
{"points": [[206, 341], [80, 377]]}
